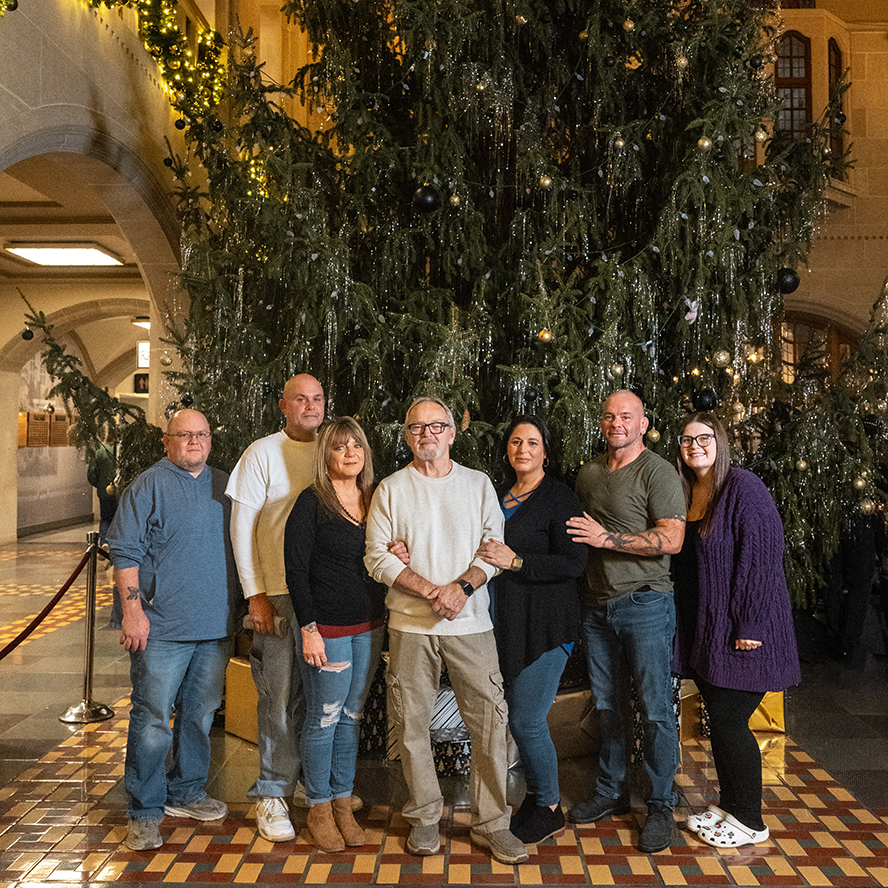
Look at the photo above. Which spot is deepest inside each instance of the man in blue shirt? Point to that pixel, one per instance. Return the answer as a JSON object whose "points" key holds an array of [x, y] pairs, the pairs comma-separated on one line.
{"points": [[176, 583]]}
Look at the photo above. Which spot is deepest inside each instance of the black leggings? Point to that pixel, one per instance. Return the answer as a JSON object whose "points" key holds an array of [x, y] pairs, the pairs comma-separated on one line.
{"points": [[735, 751]]}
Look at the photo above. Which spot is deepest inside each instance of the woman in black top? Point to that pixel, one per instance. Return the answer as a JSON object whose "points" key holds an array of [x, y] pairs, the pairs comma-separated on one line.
{"points": [[536, 613], [341, 614]]}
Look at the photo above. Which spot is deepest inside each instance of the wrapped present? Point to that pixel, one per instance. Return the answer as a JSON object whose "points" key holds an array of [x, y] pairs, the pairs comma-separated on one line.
{"points": [[770, 714]]}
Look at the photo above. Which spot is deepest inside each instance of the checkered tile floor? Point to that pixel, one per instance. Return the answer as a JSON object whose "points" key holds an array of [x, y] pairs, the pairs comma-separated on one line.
{"points": [[57, 827]]}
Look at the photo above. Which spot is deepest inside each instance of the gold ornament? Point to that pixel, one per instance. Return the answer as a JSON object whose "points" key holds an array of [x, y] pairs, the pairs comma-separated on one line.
{"points": [[881, 406], [801, 465], [545, 335], [111, 489], [760, 135], [619, 142], [545, 182], [466, 419], [166, 359], [521, 19], [584, 35], [616, 369], [738, 407], [859, 483], [653, 436], [681, 62], [454, 200], [628, 25], [704, 143], [867, 506], [721, 358]]}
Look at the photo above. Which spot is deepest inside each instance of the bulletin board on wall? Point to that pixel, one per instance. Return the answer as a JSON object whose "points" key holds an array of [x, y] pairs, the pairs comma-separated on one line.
{"points": [[41, 429]]}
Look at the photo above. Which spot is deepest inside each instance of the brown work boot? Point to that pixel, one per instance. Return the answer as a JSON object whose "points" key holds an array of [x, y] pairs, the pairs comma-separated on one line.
{"points": [[346, 823], [323, 830]]}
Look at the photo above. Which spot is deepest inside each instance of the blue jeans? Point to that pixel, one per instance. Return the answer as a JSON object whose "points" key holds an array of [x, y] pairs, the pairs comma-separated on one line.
{"points": [[191, 675], [280, 711], [333, 702], [530, 697], [632, 638]]}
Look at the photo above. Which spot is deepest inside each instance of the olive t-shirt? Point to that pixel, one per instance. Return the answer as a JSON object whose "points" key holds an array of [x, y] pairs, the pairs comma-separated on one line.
{"points": [[630, 499]]}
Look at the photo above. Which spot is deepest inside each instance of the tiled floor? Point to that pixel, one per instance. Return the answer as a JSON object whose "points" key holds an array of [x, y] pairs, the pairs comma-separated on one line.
{"points": [[62, 806]]}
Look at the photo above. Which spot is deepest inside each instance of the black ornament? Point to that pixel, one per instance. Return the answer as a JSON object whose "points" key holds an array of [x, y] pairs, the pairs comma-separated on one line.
{"points": [[12, 6], [27, 334], [610, 61], [187, 400], [426, 199], [840, 117], [872, 425], [168, 161], [756, 61], [217, 126], [788, 280], [530, 395], [180, 124], [704, 399]]}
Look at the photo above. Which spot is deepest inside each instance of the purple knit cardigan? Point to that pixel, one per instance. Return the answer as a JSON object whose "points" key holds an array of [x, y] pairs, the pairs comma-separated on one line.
{"points": [[743, 594]]}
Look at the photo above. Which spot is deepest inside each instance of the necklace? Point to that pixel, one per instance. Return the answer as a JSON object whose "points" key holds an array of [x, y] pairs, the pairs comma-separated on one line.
{"points": [[362, 524]]}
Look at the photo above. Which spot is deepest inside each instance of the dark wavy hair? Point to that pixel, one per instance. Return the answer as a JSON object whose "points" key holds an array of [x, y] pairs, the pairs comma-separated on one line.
{"points": [[539, 424], [720, 468]]}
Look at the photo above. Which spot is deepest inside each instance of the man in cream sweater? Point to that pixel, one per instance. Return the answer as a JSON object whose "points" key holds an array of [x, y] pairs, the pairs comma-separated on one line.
{"points": [[439, 615]]}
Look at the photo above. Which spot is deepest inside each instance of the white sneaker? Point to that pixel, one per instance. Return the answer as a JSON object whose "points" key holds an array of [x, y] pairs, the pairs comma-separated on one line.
{"points": [[273, 820]]}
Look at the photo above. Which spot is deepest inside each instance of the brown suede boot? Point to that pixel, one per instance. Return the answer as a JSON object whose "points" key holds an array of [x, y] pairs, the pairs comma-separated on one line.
{"points": [[323, 829], [346, 823]]}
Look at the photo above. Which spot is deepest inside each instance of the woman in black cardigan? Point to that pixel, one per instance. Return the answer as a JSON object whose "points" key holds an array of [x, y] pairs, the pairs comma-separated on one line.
{"points": [[536, 613]]}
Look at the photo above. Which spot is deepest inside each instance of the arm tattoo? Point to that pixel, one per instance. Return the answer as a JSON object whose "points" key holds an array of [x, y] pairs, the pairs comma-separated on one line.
{"points": [[310, 628], [622, 542], [132, 593]]}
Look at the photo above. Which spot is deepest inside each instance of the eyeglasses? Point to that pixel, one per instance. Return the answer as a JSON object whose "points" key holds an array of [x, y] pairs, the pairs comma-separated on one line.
{"points": [[187, 436], [689, 440], [417, 428]]}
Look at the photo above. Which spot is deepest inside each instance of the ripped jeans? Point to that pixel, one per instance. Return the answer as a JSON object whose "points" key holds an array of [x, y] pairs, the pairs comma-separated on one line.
{"points": [[333, 702]]}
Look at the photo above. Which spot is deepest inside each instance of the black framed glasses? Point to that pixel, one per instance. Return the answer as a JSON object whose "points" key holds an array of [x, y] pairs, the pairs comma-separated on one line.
{"points": [[702, 440], [417, 428]]}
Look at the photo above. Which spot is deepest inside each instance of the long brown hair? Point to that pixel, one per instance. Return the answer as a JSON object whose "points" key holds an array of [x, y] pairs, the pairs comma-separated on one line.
{"points": [[337, 432], [720, 468]]}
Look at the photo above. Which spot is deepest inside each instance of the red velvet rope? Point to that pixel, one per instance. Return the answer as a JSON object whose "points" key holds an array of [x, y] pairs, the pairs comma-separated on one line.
{"points": [[43, 614]]}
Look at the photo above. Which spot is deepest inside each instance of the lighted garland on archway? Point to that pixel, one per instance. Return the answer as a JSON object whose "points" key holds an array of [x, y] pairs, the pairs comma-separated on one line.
{"points": [[195, 77]]}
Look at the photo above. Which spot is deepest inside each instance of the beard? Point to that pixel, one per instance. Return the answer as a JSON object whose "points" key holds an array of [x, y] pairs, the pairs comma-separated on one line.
{"points": [[430, 452]]}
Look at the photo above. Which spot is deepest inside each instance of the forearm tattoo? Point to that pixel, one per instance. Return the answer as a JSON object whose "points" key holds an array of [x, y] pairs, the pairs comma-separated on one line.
{"points": [[132, 593], [655, 539], [311, 628]]}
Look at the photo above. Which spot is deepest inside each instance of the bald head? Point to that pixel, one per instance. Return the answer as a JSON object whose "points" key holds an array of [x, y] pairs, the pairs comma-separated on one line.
{"points": [[623, 423], [302, 404]]}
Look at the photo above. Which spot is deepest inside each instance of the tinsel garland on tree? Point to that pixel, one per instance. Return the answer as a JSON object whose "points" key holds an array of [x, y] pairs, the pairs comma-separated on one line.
{"points": [[519, 206]]}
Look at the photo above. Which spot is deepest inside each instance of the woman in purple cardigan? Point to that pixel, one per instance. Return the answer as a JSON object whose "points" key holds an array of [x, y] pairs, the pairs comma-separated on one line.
{"points": [[734, 630]]}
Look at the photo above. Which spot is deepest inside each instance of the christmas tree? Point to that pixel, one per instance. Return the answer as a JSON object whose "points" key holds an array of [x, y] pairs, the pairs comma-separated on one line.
{"points": [[517, 206]]}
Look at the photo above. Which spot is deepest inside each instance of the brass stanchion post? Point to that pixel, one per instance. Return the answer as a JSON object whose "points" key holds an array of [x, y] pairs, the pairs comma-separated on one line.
{"points": [[87, 710]]}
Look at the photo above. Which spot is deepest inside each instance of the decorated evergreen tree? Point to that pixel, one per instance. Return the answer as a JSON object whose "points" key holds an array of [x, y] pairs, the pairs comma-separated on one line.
{"points": [[519, 206]]}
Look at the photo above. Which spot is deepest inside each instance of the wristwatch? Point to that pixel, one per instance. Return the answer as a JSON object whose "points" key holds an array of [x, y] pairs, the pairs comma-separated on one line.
{"points": [[466, 586], [517, 563]]}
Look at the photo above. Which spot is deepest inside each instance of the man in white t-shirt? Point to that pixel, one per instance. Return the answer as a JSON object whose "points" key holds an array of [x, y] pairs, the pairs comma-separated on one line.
{"points": [[439, 615], [272, 472]]}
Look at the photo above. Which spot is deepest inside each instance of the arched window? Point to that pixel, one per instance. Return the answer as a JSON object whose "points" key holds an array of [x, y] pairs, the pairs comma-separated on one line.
{"points": [[808, 341], [792, 78], [836, 130]]}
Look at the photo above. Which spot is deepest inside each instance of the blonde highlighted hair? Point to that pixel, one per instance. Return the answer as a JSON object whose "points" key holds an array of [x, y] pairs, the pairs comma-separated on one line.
{"points": [[337, 432]]}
